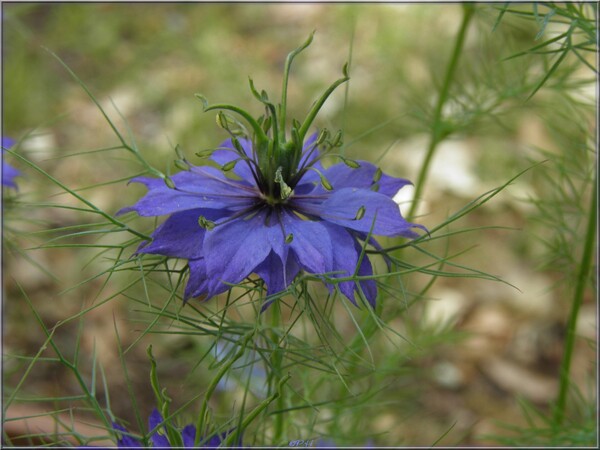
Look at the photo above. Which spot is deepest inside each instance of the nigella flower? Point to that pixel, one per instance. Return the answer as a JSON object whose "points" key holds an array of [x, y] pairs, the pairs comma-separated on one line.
{"points": [[159, 437], [9, 173], [272, 208]]}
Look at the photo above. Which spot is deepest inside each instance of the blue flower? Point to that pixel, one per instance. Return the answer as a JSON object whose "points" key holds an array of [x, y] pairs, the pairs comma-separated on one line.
{"points": [[8, 172], [229, 228], [159, 437], [272, 208]]}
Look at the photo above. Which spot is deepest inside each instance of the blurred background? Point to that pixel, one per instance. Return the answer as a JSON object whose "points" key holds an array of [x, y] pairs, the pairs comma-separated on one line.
{"points": [[475, 349]]}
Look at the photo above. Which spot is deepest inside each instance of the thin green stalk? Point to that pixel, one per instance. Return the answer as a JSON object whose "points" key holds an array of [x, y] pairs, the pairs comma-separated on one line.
{"points": [[256, 411], [582, 278], [72, 367], [286, 75], [213, 385], [93, 208], [277, 360], [438, 132]]}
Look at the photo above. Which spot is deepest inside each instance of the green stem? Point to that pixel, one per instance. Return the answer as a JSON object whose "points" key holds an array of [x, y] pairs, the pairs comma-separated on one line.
{"points": [[286, 75], [93, 208], [582, 279], [89, 395], [319, 103], [437, 134], [276, 360], [213, 385]]}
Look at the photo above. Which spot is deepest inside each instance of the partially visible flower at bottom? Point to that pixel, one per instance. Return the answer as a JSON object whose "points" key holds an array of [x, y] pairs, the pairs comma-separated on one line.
{"points": [[9, 173], [330, 443], [159, 437]]}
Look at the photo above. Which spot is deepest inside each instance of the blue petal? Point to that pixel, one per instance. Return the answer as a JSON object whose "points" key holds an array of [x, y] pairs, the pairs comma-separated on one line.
{"points": [[156, 419], [234, 249], [227, 153], [201, 187], [9, 173], [189, 436], [7, 142], [125, 441], [368, 287], [311, 243], [341, 176], [310, 158], [218, 438], [277, 276], [197, 284], [345, 258], [159, 440], [342, 207], [309, 151], [377, 246], [180, 235], [214, 441]]}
